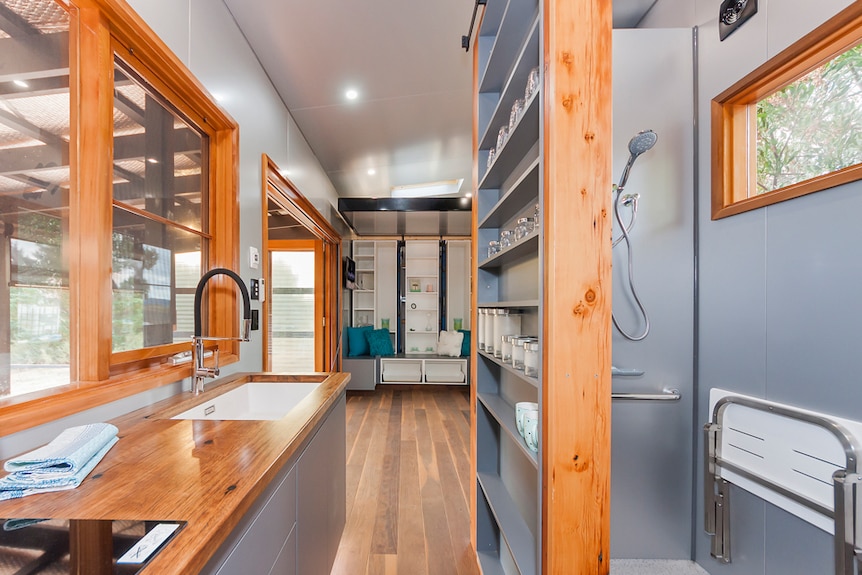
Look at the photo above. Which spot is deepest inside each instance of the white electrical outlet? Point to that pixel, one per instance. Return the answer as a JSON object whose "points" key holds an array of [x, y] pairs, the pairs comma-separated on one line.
{"points": [[253, 258]]}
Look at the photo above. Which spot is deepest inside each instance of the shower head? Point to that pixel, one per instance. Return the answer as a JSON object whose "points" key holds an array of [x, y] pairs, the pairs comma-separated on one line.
{"points": [[642, 142]]}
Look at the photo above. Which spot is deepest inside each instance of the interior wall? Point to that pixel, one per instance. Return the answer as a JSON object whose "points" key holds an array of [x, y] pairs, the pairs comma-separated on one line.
{"points": [[778, 295], [651, 466], [206, 38]]}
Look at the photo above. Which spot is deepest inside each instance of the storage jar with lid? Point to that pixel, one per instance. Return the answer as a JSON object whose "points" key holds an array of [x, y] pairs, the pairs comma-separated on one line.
{"points": [[531, 359], [488, 336], [518, 350], [506, 347], [480, 332], [505, 323]]}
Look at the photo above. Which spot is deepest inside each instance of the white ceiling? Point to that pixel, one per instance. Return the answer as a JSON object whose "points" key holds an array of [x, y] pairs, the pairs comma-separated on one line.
{"points": [[412, 120]]}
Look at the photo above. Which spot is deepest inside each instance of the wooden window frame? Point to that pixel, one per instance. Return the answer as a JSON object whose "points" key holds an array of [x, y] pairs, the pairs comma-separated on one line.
{"points": [[98, 29], [734, 162], [278, 188]]}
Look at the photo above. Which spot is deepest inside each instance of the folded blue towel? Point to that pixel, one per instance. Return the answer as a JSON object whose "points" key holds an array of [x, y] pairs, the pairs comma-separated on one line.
{"points": [[66, 453], [61, 464]]}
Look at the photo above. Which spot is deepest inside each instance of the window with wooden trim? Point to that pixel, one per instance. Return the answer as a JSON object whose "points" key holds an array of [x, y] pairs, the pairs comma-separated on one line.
{"points": [[118, 188], [792, 127]]}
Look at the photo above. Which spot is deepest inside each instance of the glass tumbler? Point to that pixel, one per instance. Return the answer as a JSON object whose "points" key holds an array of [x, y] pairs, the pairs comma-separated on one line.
{"points": [[507, 238], [515, 114], [502, 136], [532, 83], [524, 228]]}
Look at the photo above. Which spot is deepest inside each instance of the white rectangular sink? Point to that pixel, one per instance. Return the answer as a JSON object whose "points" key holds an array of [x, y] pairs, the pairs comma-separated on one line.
{"points": [[252, 401]]}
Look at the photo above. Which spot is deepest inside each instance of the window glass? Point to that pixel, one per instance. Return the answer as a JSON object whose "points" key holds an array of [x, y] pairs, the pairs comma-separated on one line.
{"points": [[291, 321], [152, 262], [811, 127], [159, 225], [34, 196]]}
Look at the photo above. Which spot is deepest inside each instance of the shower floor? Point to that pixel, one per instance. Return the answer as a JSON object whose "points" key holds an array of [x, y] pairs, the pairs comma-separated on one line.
{"points": [[655, 567]]}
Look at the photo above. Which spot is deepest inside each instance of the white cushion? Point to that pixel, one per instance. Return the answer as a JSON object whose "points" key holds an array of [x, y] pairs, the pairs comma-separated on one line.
{"points": [[450, 343]]}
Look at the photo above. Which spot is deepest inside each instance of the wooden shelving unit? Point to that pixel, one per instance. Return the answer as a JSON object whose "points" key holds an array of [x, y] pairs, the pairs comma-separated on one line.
{"points": [[556, 278]]}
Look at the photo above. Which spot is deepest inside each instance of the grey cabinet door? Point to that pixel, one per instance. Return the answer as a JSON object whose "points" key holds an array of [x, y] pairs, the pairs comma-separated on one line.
{"points": [[286, 562], [321, 485], [260, 545]]}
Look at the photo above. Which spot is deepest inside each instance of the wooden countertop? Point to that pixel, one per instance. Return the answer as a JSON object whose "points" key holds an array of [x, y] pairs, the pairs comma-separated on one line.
{"points": [[207, 473]]}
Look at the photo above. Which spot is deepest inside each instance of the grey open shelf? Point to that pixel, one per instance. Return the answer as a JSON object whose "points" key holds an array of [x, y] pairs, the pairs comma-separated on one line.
{"points": [[522, 192], [517, 372], [526, 247], [505, 416], [508, 513], [526, 303], [504, 43], [514, 88], [490, 564], [524, 134], [517, 535]]}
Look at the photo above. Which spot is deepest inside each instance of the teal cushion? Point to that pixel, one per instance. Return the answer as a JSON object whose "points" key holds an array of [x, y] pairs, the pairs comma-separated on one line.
{"points": [[465, 343], [356, 342], [379, 342]]}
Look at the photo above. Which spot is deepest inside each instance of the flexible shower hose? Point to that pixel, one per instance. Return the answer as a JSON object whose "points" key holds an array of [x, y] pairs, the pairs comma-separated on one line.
{"points": [[625, 236]]}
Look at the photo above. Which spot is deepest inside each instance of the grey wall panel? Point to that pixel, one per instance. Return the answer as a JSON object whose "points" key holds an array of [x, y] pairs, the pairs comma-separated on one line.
{"points": [[651, 468], [813, 304], [812, 558], [748, 550], [775, 291], [733, 304]]}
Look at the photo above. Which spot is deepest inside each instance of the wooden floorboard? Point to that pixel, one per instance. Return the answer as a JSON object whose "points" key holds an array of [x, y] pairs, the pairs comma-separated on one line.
{"points": [[407, 483]]}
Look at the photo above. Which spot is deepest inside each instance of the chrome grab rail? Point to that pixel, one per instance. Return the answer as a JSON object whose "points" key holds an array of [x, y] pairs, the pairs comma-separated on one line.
{"points": [[665, 395], [626, 372], [848, 523]]}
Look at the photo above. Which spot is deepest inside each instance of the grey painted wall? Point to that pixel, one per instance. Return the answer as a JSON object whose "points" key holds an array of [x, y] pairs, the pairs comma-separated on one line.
{"points": [[651, 467], [204, 36], [778, 304]]}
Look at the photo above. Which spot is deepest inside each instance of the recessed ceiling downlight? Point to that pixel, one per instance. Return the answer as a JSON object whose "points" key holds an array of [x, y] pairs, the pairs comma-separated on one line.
{"points": [[351, 94]]}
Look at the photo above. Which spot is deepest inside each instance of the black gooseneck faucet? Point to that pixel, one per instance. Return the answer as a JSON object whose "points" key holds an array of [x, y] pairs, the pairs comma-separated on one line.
{"points": [[201, 372]]}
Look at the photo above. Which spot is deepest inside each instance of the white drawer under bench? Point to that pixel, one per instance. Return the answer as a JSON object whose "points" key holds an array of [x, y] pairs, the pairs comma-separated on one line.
{"points": [[431, 369]]}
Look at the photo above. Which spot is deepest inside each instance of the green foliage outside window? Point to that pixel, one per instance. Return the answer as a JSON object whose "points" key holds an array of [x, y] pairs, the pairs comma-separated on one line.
{"points": [[811, 127]]}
